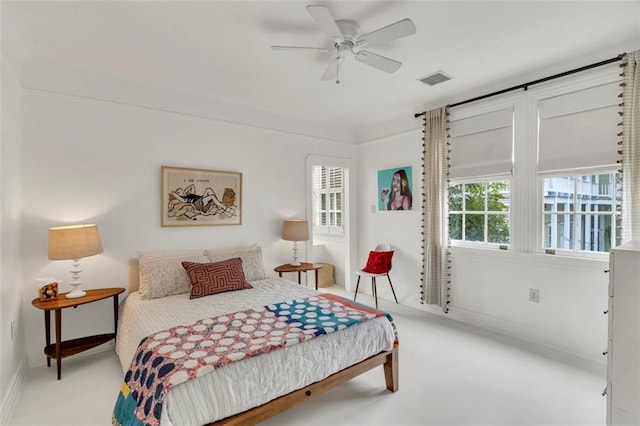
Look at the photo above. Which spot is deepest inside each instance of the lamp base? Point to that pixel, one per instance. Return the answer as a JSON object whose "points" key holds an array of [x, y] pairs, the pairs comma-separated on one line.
{"points": [[295, 262], [75, 293], [75, 281]]}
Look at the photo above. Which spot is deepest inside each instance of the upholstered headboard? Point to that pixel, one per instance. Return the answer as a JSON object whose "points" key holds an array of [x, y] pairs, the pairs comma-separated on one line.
{"points": [[133, 274]]}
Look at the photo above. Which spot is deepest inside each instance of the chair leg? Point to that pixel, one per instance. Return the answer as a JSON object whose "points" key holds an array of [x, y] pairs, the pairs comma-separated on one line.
{"points": [[374, 290], [392, 290], [357, 284]]}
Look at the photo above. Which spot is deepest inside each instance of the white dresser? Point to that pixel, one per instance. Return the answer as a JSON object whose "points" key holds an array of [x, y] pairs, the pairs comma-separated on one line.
{"points": [[623, 352]]}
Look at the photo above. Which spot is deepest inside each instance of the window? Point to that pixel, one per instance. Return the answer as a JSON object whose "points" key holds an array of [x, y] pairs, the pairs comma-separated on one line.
{"points": [[576, 131], [536, 169], [479, 212], [580, 212], [481, 164], [328, 195]]}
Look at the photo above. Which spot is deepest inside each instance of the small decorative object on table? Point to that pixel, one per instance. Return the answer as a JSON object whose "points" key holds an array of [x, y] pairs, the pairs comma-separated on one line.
{"points": [[47, 288]]}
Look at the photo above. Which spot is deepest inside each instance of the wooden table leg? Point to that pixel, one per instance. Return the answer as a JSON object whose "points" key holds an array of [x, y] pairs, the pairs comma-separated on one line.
{"points": [[316, 279], [115, 314], [299, 275], [374, 290], [59, 341], [47, 332], [280, 274]]}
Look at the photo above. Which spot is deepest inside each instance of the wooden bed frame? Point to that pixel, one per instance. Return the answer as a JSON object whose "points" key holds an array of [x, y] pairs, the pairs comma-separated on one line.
{"points": [[255, 415], [388, 359]]}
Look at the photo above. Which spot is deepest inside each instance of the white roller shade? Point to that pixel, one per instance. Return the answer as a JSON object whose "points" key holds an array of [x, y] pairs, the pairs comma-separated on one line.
{"points": [[578, 130], [482, 145]]}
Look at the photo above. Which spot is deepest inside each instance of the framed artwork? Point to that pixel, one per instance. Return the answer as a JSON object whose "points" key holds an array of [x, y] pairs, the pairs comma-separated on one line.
{"points": [[394, 189], [197, 197]]}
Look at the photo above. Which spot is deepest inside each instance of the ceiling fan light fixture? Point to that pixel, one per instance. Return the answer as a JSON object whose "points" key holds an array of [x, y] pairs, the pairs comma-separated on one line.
{"points": [[350, 30]]}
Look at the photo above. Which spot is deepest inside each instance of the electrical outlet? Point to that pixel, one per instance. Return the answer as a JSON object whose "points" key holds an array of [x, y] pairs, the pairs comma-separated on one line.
{"points": [[534, 295]]}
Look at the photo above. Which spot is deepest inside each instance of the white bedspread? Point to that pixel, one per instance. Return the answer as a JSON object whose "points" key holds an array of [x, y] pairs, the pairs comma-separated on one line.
{"points": [[242, 385]]}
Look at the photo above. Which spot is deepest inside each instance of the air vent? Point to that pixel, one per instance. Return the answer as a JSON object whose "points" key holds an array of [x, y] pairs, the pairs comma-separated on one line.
{"points": [[435, 78]]}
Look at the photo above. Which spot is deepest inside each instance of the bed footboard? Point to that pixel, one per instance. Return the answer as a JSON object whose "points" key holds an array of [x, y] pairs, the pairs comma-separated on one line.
{"points": [[388, 359]]}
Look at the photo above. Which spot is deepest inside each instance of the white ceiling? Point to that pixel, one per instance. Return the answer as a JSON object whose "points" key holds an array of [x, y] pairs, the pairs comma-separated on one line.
{"points": [[213, 58]]}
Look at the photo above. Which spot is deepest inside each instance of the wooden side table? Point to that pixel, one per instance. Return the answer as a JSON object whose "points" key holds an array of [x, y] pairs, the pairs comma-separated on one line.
{"points": [[304, 267], [61, 349]]}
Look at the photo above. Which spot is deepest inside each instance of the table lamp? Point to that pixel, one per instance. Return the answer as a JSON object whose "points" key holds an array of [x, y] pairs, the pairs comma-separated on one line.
{"points": [[74, 242], [295, 230]]}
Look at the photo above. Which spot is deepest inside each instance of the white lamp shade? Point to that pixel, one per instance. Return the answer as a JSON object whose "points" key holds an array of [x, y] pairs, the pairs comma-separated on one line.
{"points": [[295, 230], [74, 241]]}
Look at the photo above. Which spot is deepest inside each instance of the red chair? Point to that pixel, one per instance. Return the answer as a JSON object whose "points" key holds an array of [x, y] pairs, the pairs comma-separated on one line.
{"points": [[378, 265]]}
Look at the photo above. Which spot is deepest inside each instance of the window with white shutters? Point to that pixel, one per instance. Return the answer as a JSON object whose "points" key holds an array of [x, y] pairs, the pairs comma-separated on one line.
{"points": [[328, 200]]}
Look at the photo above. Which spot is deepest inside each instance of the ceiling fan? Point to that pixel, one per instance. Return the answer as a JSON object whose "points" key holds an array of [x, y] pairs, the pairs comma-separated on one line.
{"points": [[345, 37]]}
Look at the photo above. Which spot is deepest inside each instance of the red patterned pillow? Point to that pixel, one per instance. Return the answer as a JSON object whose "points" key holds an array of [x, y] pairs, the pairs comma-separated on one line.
{"points": [[211, 278], [379, 262]]}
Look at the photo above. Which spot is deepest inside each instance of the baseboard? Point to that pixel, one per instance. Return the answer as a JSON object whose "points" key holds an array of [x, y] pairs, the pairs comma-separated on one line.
{"points": [[526, 333], [13, 395]]}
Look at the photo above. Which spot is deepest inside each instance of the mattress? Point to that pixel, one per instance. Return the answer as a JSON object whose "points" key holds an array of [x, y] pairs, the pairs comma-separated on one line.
{"points": [[242, 385]]}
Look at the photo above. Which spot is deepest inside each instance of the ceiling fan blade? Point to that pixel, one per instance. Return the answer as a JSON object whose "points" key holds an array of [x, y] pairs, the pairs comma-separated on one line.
{"points": [[325, 21], [309, 49], [390, 32], [332, 69], [380, 62]]}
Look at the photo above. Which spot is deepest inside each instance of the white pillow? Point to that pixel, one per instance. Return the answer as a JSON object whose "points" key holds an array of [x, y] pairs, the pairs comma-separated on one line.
{"points": [[162, 274], [251, 257]]}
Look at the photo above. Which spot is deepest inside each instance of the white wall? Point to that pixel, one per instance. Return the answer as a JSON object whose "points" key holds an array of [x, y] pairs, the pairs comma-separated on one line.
{"points": [[90, 161], [12, 350], [401, 229], [490, 288]]}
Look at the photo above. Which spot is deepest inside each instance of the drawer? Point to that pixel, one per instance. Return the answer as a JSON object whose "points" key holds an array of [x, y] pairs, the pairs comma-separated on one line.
{"points": [[608, 390], [610, 318], [609, 359]]}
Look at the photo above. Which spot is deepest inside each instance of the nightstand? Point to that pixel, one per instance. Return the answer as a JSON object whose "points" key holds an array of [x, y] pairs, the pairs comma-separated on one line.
{"points": [[303, 267], [61, 349]]}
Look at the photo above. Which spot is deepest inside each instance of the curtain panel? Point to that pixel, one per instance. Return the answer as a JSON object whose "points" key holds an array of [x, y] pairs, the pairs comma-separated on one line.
{"points": [[435, 275], [630, 147]]}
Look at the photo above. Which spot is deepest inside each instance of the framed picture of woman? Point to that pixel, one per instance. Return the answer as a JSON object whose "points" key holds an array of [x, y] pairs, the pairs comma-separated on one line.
{"points": [[394, 189]]}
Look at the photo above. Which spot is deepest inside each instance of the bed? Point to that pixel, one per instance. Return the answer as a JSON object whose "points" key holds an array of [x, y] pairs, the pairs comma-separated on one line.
{"points": [[255, 388]]}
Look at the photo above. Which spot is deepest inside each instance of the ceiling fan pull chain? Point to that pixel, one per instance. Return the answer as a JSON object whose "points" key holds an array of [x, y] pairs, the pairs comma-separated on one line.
{"points": [[337, 65]]}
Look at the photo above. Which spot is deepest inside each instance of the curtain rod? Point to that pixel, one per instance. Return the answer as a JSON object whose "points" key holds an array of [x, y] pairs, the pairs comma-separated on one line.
{"points": [[525, 86]]}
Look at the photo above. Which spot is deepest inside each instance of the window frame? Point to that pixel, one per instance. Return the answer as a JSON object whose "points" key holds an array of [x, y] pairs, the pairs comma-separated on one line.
{"points": [[330, 207], [485, 180], [525, 189], [575, 214]]}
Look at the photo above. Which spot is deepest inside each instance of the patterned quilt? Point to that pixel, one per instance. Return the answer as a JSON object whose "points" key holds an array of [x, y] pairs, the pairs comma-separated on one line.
{"points": [[173, 356]]}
